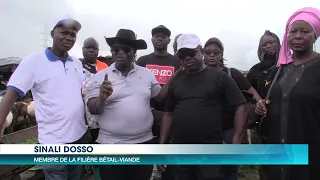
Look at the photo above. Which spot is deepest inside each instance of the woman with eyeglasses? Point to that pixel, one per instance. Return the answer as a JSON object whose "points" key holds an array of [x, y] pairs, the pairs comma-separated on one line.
{"points": [[213, 56]]}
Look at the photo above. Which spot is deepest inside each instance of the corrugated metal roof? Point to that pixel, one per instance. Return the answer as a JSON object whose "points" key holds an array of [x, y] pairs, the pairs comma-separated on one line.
{"points": [[9, 60]]}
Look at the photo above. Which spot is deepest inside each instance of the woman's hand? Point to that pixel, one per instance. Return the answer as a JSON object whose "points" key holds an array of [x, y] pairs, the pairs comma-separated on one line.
{"points": [[261, 106]]}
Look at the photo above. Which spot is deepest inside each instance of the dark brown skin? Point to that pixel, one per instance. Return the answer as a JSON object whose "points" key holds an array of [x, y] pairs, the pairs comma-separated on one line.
{"points": [[124, 63], [63, 40], [6, 106], [300, 39], [213, 60], [90, 50], [96, 105], [193, 64], [165, 127], [240, 124], [268, 45], [160, 43]]}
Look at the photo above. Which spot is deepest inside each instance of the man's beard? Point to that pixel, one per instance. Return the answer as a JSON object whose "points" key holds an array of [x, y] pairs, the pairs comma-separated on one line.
{"points": [[123, 66], [162, 48]]}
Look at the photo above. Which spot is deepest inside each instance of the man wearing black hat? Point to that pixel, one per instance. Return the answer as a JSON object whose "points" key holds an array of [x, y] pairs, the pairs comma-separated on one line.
{"points": [[121, 96]]}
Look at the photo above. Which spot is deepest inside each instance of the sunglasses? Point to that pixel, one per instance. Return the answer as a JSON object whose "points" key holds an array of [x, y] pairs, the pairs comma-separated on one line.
{"points": [[214, 52], [183, 53], [117, 48]]}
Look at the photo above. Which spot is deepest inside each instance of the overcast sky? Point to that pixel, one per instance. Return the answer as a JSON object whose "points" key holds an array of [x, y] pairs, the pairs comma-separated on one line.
{"points": [[238, 24]]}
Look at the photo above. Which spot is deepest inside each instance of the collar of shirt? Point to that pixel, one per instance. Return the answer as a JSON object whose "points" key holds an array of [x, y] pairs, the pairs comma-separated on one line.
{"points": [[53, 57], [114, 69]]}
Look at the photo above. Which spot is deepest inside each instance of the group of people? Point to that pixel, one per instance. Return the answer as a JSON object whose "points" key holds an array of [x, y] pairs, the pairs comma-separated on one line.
{"points": [[190, 97]]}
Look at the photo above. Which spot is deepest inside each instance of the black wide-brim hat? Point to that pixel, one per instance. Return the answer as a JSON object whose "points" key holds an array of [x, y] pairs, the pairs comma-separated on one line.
{"points": [[127, 37]]}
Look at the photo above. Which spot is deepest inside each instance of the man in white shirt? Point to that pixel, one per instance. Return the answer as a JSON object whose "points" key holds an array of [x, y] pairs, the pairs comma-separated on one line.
{"points": [[124, 108], [55, 80]]}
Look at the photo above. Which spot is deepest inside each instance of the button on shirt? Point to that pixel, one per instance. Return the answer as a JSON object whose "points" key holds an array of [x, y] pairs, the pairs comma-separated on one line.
{"points": [[127, 117], [56, 89]]}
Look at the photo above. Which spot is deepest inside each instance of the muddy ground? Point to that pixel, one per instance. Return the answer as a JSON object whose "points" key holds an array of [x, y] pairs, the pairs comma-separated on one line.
{"points": [[246, 173]]}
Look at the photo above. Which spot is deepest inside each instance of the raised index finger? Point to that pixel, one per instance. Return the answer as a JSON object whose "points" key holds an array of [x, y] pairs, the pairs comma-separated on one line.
{"points": [[106, 76]]}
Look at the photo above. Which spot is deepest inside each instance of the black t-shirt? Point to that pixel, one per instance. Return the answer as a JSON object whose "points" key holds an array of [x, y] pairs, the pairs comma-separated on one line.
{"points": [[243, 85], [163, 67], [196, 101]]}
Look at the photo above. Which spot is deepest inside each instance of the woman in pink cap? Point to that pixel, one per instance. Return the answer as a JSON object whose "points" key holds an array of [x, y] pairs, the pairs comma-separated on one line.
{"points": [[292, 114]]}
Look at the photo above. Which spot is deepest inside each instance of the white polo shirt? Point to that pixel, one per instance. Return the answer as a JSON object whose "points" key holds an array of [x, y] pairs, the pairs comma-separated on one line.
{"points": [[127, 116], [56, 89]]}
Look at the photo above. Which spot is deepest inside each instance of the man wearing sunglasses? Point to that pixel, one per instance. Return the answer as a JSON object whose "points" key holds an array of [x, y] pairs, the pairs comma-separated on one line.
{"points": [[193, 111], [121, 95]]}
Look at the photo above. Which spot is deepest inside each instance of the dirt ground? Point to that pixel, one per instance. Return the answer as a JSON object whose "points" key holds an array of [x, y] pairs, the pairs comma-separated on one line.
{"points": [[248, 173]]}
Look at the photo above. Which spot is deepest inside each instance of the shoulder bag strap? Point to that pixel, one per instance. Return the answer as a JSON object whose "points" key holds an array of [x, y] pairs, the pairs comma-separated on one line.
{"points": [[273, 82], [229, 72]]}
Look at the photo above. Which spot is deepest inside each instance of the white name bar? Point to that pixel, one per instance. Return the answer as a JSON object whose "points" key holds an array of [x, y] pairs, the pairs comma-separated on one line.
{"points": [[139, 149]]}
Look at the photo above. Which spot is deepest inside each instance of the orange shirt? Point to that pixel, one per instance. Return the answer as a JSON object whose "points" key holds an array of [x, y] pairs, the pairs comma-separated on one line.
{"points": [[101, 65]]}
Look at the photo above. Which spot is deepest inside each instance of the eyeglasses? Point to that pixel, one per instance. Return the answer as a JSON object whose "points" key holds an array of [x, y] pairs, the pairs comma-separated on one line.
{"points": [[117, 48], [215, 52], [183, 53]]}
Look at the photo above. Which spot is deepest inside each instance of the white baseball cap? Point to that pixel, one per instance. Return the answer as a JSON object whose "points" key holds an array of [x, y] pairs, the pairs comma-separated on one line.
{"points": [[67, 21], [189, 41]]}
